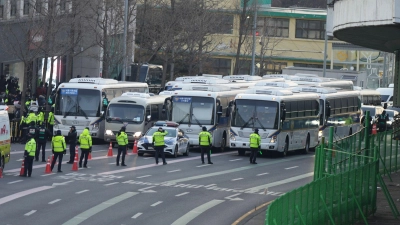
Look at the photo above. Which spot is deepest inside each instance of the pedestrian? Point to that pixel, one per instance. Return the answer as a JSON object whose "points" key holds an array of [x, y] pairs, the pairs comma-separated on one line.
{"points": [[255, 145], [41, 137], [122, 139], [58, 147], [205, 141], [85, 141], [72, 137], [29, 154], [159, 144], [382, 123]]}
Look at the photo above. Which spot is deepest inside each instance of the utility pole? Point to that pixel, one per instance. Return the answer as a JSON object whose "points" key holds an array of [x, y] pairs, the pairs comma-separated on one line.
{"points": [[253, 55], [125, 58]]}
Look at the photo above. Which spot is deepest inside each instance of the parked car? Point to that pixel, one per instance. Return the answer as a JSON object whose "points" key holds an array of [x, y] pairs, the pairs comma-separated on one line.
{"points": [[176, 142], [391, 114]]}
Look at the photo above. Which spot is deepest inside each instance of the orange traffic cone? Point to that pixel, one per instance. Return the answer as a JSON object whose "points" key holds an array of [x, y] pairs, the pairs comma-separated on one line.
{"points": [[134, 150], [1, 172], [48, 168], [75, 165], [110, 150], [374, 130], [76, 153], [90, 156], [22, 171]]}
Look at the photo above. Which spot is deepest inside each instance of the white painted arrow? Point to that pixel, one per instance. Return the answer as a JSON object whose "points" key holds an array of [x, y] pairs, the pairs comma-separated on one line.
{"points": [[145, 190], [64, 183], [234, 199]]}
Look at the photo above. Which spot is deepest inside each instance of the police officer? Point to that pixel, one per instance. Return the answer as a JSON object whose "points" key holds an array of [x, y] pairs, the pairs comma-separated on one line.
{"points": [[205, 144], [72, 137], [32, 129], [159, 144], [255, 145], [122, 139], [50, 120], [58, 147], [23, 126], [382, 119], [30, 150], [40, 116], [42, 136], [31, 117], [85, 141]]}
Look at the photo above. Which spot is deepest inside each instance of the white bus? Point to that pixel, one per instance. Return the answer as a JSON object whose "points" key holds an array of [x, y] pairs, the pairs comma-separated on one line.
{"points": [[203, 106], [340, 109], [79, 103], [370, 97], [286, 121], [324, 82], [137, 112]]}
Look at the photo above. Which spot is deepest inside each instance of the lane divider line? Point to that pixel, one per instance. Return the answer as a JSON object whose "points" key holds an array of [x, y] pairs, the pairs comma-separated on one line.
{"points": [[136, 215], [181, 194], [52, 202], [80, 192], [30, 213], [144, 176], [237, 179], [185, 219], [232, 160], [261, 174], [289, 168], [23, 194], [173, 171], [157, 203], [13, 182]]}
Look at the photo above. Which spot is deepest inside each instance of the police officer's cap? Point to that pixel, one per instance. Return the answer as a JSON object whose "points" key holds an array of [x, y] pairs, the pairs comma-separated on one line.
{"points": [[160, 128], [123, 128], [256, 130], [58, 132], [73, 127], [204, 128]]}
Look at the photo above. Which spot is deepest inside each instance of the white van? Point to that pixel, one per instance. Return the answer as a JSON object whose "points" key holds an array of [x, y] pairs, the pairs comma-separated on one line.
{"points": [[386, 94], [5, 140]]}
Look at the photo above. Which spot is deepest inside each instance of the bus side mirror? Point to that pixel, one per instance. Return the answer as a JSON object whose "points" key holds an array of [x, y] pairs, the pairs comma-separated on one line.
{"points": [[219, 111], [328, 111], [385, 106], [148, 118], [283, 117]]}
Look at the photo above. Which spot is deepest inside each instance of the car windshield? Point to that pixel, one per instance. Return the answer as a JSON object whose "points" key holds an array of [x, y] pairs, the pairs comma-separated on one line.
{"points": [[391, 114], [78, 102], [125, 113], [384, 98], [171, 132], [193, 110], [370, 109], [255, 114]]}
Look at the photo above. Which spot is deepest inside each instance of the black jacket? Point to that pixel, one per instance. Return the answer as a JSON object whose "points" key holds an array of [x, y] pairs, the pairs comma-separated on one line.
{"points": [[72, 136], [42, 134]]}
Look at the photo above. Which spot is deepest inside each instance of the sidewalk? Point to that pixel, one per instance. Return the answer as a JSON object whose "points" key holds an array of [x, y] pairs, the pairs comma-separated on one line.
{"points": [[383, 215]]}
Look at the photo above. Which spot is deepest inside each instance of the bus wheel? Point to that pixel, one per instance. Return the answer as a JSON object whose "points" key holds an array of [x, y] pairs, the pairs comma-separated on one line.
{"points": [[176, 152], [241, 152], [286, 148], [307, 147], [223, 143]]}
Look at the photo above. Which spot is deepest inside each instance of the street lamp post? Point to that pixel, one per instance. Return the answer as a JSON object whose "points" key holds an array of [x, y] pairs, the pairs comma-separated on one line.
{"points": [[125, 58], [253, 55]]}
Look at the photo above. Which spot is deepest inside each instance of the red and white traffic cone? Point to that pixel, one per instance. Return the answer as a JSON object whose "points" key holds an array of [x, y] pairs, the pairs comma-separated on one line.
{"points": [[1, 172], [75, 165], [110, 150], [134, 150], [22, 171], [48, 167]]}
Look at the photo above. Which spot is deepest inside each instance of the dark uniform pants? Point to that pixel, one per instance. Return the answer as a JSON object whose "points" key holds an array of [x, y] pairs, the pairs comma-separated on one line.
{"points": [[43, 147], [28, 165], [84, 153], [159, 150], [72, 152], [121, 149], [253, 154], [207, 150], [58, 155], [50, 127]]}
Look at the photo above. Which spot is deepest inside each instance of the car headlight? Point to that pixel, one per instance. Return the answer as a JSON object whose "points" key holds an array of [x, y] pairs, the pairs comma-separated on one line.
{"points": [[273, 139], [320, 133], [109, 132], [95, 126]]}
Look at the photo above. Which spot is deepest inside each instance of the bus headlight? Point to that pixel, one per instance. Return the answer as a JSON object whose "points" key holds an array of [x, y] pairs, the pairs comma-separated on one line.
{"points": [[233, 137], [109, 132], [273, 139], [320, 133], [95, 126], [137, 134]]}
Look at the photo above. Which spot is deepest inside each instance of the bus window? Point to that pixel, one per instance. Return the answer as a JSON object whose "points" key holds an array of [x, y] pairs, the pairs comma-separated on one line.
{"points": [[154, 112], [301, 109]]}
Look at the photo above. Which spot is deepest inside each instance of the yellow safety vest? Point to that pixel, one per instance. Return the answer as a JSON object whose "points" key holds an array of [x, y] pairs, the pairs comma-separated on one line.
{"points": [[40, 117], [85, 140], [30, 147], [255, 140], [205, 138], [31, 117], [50, 119], [158, 138], [122, 139], [58, 143]]}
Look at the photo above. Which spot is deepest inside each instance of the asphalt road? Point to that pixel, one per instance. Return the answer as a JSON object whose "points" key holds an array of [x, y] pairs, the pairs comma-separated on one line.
{"points": [[182, 192]]}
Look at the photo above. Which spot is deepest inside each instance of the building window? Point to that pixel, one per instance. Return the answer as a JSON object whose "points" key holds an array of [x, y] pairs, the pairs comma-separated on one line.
{"points": [[26, 7], [13, 7], [308, 65], [310, 29], [38, 6], [218, 66], [63, 5], [225, 24], [273, 27], [272, 67], [1, 9], [244, 67]]}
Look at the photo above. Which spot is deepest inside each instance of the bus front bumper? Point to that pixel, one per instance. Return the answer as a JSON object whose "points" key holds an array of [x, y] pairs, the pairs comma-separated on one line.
{"points": [[246, 145], [112, 138]]}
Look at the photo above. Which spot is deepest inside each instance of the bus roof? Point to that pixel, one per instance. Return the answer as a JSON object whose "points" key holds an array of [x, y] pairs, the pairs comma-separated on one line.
{"points": [[99, 83], [93, 80], [275, 92], [369, 92], [320, 90], [211, 88], [277, 98], [206, 81], [242, 77], [306, 75], [136, 94], [158, 99], [276, 84]]}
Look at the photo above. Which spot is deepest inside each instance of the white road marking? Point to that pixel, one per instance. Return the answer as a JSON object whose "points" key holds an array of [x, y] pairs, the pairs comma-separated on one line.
{"points": [[136, 215], [234, 199], [111, 184], [204, 165], [13, 182], [289, 168], [49, 174], [144, 176], [237, 179], [147, 190], [98, 208], [19, 160], [277, 183], [232, 160], [23, 193], [112, 163], [173, 171], [148, 158], [30, 213], [185, 219], [262, 174], [80, 192], [52, 202], [181, 194], [157, 203]]}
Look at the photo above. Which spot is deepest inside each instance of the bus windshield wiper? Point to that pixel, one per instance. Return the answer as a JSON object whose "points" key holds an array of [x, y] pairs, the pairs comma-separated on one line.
{"points": [[81, 111], [244, 125], [183, 118], [262, 127], [198, 123]]}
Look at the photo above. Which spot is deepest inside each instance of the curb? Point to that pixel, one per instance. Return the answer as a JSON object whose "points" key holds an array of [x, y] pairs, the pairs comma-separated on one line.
{"points": [[247, 215]]}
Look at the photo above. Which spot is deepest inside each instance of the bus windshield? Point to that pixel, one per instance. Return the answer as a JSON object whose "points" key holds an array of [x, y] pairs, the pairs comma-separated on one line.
{"points": [[78, 102], [193, 110], [255, 114], [118, 113]]}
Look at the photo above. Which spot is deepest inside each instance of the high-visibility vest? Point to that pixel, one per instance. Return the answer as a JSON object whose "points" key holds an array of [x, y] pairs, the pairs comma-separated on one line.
{"points": [[122, 139], [50, 119], [255, 140], [85, 140], [58, 143], [30, 147], [31, 117], [40, 117], [205, 138], [158, 138]]}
